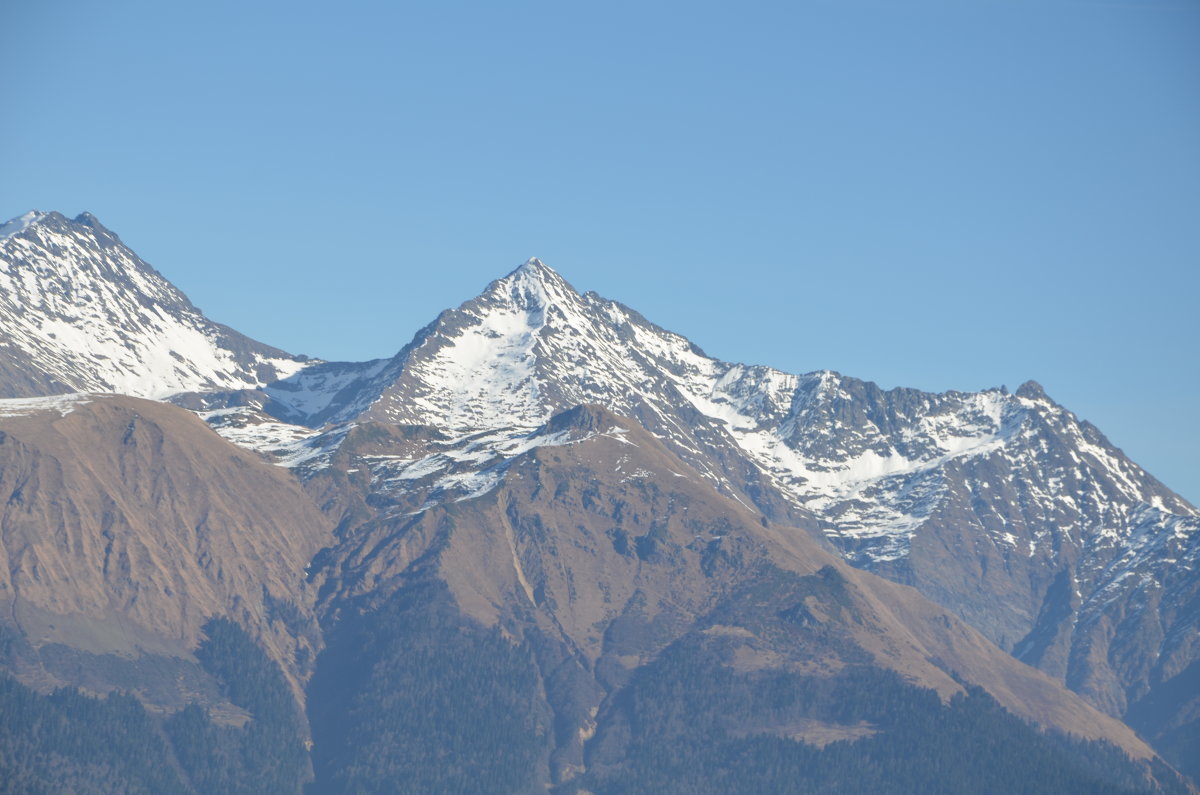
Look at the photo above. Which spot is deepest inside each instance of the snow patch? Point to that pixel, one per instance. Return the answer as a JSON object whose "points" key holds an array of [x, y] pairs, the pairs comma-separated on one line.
{"points": [[63, 404], [20, 224]]}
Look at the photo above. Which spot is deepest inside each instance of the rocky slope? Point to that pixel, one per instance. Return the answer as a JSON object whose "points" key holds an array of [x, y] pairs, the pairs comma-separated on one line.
{"points": [[127, 524]]}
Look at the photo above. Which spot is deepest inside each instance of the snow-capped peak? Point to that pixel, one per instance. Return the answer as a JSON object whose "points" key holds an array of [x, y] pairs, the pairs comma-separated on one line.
{"points": [[532, 268], [532, 285], [20, 223], [872, 463], [81, 312], [474, 367]]}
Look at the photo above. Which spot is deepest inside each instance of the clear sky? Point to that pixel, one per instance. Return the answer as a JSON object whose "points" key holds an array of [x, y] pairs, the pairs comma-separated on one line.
{"points": [[945, 194]]}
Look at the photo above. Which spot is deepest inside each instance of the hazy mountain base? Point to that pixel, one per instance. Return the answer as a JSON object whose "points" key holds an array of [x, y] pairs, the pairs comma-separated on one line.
{"points": [[420, 698], [1174, 729], [416, 697], [69, 742], [165, 683], [690, 724]]}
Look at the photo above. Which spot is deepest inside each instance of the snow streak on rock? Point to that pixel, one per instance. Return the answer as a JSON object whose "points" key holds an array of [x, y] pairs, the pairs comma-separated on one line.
{"points": [[282, 442], [63, 404], [461, 469]]}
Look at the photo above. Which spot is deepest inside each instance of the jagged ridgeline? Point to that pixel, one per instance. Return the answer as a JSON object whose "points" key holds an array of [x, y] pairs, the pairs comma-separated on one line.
{"points": [[550, 546]]}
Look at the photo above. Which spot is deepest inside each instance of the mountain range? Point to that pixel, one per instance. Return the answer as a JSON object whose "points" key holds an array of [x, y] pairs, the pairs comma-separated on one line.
{"points": [[645, 568]]}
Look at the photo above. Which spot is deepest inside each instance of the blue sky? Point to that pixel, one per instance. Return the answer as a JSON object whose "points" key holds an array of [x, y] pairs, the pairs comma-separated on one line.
{"points": [[945, 194]]}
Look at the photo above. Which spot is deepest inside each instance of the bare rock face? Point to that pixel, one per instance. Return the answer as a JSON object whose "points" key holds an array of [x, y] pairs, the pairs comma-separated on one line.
{"points": [[127, 524]]}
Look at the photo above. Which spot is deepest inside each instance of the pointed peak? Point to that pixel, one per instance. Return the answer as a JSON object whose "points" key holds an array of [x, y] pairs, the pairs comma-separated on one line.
{"points": [[102, 232], [20, 223], [533, 267], [1032, 390], [532, 285]]}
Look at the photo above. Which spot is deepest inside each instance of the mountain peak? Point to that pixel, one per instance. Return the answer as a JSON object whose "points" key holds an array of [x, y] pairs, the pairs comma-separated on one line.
{"points": [[81, 312], [20, 223], [533, 269], [1032, 390], [87, 219], [531, 286]]}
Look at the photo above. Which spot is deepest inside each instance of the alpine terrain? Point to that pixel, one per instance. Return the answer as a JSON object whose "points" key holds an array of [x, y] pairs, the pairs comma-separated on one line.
{"points": [[551, 546]]}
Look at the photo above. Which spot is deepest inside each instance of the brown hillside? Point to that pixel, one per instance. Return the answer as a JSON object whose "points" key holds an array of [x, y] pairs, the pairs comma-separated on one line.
{"points": [[125, 524]]}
